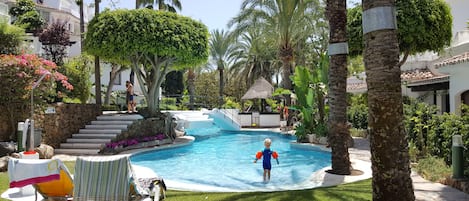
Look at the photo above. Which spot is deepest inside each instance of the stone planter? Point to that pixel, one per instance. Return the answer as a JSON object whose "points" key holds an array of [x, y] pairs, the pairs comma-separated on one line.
{"points": [[323, 140]]}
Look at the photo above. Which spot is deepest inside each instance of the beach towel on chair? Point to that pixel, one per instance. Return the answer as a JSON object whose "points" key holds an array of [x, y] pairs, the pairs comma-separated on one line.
{"points": [[103, 178], [23, 172]]}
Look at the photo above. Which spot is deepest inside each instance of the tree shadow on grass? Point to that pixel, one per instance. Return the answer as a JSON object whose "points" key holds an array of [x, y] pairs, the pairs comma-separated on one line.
{"points": [[358, 191]]}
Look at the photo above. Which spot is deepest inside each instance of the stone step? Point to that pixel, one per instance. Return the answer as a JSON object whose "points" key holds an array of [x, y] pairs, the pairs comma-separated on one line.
{"points": [[119, 117], [77, 151], [77, 140], [94, 136], [111, 122], [103, 131], [81, 145], [110, 127]]}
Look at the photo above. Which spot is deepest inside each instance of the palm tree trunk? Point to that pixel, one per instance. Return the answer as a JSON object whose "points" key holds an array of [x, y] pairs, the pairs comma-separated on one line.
{"points": [[389, 149], [286, 81], [337, 123], [82, 23], [220, 102], [191, 87], [97, 67]]}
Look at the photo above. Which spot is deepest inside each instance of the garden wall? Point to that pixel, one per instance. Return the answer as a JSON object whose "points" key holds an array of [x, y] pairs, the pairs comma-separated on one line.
{"points": [[67, 120]]}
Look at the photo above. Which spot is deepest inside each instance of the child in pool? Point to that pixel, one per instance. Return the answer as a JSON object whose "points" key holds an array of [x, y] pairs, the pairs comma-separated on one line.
{"points": [[266, 155]]}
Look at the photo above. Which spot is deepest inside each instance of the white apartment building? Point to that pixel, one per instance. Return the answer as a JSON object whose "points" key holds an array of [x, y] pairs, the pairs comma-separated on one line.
{"points": [[53, 11]]}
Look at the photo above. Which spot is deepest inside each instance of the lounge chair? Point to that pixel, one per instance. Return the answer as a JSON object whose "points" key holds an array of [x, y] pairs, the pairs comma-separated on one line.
{"points": [[105, 178], [49, 177]]}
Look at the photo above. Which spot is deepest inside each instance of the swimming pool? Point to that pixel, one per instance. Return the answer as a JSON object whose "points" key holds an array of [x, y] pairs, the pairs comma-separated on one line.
{"points": [[223, 161]]}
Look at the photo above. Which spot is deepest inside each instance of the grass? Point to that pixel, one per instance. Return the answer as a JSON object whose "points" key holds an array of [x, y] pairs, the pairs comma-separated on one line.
{"points": [[354, 191]]}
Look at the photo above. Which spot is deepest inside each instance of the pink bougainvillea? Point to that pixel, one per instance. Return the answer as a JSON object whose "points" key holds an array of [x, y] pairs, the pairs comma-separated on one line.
{"points": [[19, 73]]}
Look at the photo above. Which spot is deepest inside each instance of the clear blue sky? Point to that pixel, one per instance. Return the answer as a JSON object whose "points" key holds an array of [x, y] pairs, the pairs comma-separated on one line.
{"points": [[213, 13]]}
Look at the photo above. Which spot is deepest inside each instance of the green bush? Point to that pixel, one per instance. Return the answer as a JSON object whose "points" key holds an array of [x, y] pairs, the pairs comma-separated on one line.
{"points": [[357, 114], [433, 168], [230, 103], [431, 134], [417, 120], [357, 132], [110, 108]]}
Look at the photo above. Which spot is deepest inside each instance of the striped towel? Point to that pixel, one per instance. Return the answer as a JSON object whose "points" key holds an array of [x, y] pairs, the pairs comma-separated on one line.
{"points": [[102, 178], [23, 172]]}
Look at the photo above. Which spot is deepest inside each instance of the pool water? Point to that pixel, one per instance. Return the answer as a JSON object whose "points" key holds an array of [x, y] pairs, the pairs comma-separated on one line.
{"points": [[224, 160]]}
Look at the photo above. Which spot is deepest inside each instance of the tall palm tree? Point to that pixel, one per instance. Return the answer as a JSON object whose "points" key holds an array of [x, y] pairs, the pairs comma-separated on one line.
{"points": [[82, 22], [171, 6], [337, 123], [286, 19], [389, 148], [254, 57], [222, 45], [97, 67]]}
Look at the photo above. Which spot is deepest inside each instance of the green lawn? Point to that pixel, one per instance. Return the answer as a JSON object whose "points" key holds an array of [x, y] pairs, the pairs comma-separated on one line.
{"points": [[354, 191]]}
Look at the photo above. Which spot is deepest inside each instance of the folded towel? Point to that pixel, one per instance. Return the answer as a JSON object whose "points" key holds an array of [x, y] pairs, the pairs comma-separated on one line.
{"points": [[23, 172]]}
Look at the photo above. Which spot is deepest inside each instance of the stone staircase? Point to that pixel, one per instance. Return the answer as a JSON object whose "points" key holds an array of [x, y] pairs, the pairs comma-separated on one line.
{"points": [[89, 140]]}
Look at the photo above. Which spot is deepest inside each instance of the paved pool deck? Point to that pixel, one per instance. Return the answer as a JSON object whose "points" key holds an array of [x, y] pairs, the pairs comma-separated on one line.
{"points": [[360, 156]]}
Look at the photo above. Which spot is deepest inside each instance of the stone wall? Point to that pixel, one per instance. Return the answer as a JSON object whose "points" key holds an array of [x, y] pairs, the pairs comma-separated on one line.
{"points": [[67, 120]]}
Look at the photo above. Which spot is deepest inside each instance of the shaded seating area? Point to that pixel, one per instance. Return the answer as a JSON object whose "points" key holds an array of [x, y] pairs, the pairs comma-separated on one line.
{"points": [[261, 115]]}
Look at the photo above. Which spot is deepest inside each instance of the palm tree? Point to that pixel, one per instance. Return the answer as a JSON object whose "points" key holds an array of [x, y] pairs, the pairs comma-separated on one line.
{"points": [[389, 148], [337, 123], [254, 57], [97, 67], [172, 6], [284, 18], [82, 22], [222, 45]]}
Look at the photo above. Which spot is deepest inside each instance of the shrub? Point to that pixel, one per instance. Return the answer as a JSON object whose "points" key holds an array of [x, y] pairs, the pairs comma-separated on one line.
{"points": [[110, 108], [357, 114], [18, 74], [357, 132], [230, 103], [417, 120], [433, 169]]}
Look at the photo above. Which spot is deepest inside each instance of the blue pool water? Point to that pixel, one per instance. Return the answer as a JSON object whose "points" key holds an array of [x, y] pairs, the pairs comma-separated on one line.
{"points": [[225, 160]]}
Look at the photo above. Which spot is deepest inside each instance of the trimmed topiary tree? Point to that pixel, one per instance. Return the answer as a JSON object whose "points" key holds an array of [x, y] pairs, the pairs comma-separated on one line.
{"points": [[424, 25], [153, 42]]}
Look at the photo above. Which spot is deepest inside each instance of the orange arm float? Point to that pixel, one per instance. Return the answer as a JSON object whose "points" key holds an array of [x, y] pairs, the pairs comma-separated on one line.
{"points": [[275, 156], [259, 155]]}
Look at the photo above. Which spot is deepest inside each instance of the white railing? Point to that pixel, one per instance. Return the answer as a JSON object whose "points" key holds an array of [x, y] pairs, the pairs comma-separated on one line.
{"points": [[231, 114]]}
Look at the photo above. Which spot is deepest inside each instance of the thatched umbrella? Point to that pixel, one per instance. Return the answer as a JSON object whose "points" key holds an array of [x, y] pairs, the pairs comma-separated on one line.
{"points": [[260, 89]]}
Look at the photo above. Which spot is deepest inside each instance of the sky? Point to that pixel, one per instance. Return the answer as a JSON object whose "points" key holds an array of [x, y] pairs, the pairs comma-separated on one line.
{"points": [[213, 13]]}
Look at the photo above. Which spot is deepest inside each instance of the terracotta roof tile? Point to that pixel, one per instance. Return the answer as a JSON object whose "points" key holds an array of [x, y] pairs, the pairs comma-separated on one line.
{"points": [[464, 57], [422, 76], [417, 74]]}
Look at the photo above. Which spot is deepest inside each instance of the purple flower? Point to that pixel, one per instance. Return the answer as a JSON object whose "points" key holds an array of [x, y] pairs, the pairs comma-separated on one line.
{"points": [[160, 136], [132, 142]]}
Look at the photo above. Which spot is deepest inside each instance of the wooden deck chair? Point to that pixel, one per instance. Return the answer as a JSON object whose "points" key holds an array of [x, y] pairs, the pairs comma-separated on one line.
{"points": [[50, 177], [105, 178]]}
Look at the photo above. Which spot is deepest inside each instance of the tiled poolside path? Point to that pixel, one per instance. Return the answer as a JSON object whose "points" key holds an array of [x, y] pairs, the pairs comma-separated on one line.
{"points": [[424, 190]]}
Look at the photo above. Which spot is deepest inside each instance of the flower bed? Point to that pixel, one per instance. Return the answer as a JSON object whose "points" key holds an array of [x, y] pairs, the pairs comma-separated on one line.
{"points": [[135, 143]]}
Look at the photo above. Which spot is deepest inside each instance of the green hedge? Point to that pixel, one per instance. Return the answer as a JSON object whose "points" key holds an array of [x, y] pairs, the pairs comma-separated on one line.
{"points": [[431, 134], [357, 115]]}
